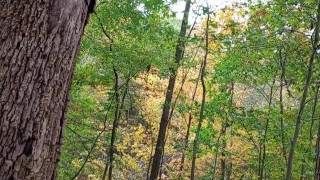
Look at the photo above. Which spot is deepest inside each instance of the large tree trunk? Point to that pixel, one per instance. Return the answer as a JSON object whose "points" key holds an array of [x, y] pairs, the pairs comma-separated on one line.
{"points": [[39, 42]]}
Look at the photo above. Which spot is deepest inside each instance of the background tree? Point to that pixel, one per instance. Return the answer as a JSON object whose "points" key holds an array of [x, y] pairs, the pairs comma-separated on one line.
{"points": [[156, 160]]}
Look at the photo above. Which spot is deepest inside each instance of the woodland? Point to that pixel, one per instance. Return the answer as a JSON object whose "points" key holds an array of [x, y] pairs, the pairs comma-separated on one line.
{"points": [[225, 92]]}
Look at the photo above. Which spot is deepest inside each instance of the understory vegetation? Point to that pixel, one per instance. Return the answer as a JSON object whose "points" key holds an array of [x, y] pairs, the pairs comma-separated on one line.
{"points": [[228, 92]]}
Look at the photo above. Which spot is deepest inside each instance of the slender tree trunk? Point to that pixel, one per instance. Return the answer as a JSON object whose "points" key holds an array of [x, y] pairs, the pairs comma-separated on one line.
{"points": [[117, 115], [229, 168], [166, 107], [169, 120], [114, 126], [313, 116], [223, 154], [113, 147], [178, 95], [215, 161], [39, 42], [304, 97], [317, 167], [203, 72], [86, 159], [186, 139], [150, 160], [265, 136], [260, 159], [225, 125], [110, 151], [216, 155], [282, 83]]}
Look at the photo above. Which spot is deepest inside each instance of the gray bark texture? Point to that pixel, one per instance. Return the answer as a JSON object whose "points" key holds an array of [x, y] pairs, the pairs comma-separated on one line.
{"points": [[39, 42]]}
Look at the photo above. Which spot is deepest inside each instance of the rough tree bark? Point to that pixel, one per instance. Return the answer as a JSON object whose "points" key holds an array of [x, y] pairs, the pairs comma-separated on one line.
{"points": [[39, 42]]}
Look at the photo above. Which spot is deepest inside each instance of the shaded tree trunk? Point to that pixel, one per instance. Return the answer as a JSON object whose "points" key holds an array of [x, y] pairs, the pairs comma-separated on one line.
{"points": [[166, 107], [39, 42]]}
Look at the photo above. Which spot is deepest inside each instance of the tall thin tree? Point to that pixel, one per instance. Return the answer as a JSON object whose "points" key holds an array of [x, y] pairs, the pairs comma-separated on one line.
{"points": [[203, 72], [314, 108], [166, 107], [190, 117], [315, 47]]}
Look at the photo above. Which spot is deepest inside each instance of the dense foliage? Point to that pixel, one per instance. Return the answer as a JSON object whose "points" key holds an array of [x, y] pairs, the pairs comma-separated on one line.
{"points": [[262, 77]]}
